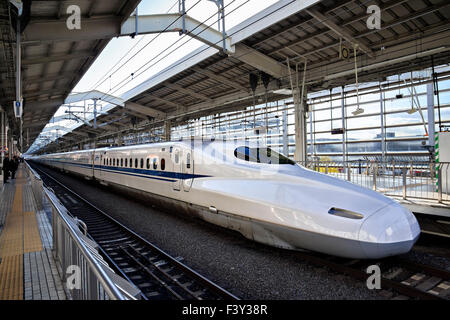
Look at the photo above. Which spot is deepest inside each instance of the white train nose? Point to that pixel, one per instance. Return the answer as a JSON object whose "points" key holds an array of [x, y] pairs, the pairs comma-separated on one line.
{"points": [[390, 231]]}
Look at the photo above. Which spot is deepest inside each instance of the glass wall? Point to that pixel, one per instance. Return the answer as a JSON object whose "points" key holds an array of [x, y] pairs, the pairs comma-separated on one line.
{"points": [[394, 121]]}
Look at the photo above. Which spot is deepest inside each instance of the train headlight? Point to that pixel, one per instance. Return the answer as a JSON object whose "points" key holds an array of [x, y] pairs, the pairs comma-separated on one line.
{"points": [[345, 213]]}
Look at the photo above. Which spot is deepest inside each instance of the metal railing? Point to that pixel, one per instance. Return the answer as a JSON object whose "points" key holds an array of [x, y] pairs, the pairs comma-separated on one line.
{"points": [[83, 270], [406, 179]]}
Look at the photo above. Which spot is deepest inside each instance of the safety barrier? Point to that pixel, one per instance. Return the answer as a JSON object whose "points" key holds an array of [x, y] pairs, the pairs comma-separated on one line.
{"points": [[85, 273], [406, 179]]}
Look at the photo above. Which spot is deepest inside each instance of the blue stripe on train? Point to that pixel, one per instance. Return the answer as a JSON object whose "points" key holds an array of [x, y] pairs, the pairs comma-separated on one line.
{"points": [[154, 174]]}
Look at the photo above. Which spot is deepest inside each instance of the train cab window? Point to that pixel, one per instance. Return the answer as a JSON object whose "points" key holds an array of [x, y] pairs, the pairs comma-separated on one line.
{"points": [[148, 163], [126, 162], [163, 164], [136, 163], [188, 160], [261, 155], [121, 162], [155, 164]]}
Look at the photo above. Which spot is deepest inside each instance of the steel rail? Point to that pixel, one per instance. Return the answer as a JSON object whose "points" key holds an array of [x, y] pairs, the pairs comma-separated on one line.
{"points": [[107, 228]]}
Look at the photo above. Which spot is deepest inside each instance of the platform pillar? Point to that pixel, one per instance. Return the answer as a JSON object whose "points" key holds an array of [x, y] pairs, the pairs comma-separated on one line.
{"points": [[430, 113], [167, 126], [300, 132]]}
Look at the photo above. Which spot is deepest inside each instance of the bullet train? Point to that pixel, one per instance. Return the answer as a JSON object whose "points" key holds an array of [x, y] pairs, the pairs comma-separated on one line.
{"points": [[254, 190]]}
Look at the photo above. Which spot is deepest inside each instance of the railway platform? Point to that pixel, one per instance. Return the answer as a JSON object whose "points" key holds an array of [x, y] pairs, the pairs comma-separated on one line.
{"points": [[27, 268]]}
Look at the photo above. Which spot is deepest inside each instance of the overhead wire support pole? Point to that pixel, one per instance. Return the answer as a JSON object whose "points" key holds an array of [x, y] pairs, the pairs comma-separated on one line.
{"points": [[182, 11], [18, 76], [221, 16]]}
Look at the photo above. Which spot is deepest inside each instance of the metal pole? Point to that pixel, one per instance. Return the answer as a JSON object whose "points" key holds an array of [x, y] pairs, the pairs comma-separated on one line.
{"points": [[222, 9], [18, 75], [375, 169], [383, 134], [439, 177], [430, 114], [344, 151], [95, 113], [285, 133], [404, 182]]}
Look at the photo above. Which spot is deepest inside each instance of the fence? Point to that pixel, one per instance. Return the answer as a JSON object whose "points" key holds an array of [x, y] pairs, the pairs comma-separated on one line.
{"points": [[407, 179], [89, 275]]}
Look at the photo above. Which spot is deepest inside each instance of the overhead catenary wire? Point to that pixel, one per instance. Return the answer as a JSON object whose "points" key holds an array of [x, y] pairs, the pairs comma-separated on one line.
{"points": [[140, 50], [106, 77], [170, 46], [317, 22]]}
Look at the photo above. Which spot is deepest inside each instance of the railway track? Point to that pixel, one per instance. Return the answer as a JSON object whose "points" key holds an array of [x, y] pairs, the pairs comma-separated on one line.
{"points": [[158, 275], [400, 278]]}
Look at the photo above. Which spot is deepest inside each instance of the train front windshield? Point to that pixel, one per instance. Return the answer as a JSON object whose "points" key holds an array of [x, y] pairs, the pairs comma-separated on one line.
{"points": [[261, 155]]}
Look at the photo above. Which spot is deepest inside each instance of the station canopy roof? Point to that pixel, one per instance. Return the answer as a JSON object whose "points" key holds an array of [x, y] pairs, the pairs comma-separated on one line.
{"points": [[51, 68], [278, 41]]}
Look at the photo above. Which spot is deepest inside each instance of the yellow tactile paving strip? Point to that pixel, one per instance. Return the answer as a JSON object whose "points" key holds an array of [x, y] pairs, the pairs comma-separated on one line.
{"points": [[31, 237], [20, 235]]}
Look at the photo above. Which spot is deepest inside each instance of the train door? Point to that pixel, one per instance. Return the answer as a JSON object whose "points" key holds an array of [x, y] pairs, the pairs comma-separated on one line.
{"points": [[176, 160], [188, 170], [99, 173], [95, 158]]}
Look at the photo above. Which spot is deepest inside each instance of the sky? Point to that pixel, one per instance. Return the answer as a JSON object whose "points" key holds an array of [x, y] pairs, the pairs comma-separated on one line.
{"points": [[146, 55], [157, 50]]}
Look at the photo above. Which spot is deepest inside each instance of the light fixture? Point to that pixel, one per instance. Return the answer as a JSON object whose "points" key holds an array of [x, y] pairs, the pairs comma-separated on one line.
{"points": [[358, 111], [286, 92], [412, 110]]}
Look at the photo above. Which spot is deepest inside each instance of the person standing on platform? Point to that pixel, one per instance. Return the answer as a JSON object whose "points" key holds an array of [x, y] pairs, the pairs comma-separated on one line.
{"points": [[6, 168], [14, 165]]}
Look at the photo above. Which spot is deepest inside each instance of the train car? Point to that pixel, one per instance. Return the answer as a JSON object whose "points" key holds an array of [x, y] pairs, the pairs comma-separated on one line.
{"points": [[254, 190]]}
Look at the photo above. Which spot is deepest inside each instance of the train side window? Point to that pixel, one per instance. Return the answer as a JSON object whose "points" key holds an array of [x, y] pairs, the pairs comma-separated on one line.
{"points": [[188, 160], [131, 162], [148, 163], [126, 162], [163, 164], [121, 162], [136, 163], [114, 162], [155, 164]]}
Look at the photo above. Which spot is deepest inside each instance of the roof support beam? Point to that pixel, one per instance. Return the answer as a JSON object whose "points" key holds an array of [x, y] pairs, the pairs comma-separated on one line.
{"points": [[260, 61], [39, 105], [187, 91], [48, 77], [108, 27], [217, 77], [60, 57], [165, 101], [339, 31], [144, 110], [174, 22]]}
